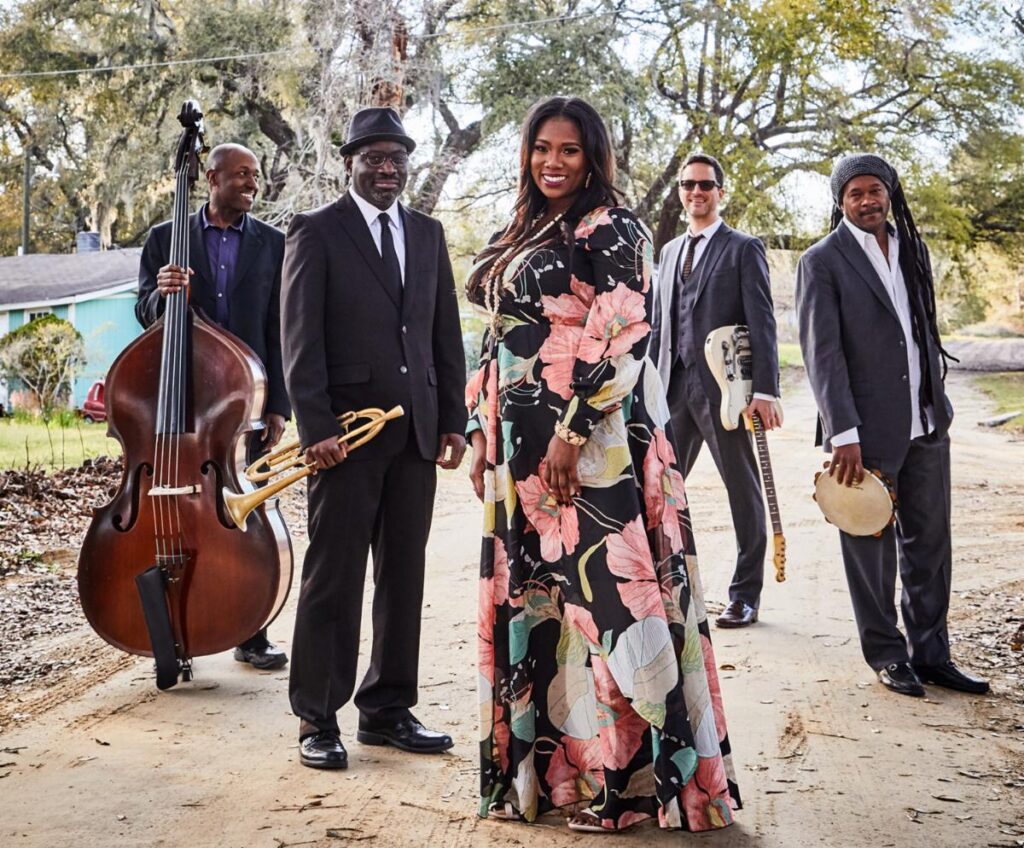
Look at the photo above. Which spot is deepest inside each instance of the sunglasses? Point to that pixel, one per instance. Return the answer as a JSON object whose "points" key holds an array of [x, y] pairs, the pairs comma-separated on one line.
{"points": [[705, 185], [376, 159]]}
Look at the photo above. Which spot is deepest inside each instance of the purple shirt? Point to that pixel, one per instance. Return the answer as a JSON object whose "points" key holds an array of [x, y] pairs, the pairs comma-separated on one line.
{"points": [[222, 251]]}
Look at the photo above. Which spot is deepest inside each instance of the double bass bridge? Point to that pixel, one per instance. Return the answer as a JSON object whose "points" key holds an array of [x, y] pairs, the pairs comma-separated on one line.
{"points": [[193, 489]]}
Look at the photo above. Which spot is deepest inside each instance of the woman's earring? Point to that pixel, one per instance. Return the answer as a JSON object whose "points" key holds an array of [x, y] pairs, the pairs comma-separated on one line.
{"points": [[586, 183]]}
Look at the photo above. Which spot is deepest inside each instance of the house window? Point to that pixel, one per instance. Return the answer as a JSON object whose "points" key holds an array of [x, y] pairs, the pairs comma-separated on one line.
{"points": [[39, 313]]}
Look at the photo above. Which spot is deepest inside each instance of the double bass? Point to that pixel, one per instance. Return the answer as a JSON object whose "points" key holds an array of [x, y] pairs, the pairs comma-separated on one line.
{"points": [[164, 570]]}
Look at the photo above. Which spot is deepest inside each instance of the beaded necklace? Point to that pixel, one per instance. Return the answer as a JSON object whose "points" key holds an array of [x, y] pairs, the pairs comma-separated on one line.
{"points": [[494, 279]]}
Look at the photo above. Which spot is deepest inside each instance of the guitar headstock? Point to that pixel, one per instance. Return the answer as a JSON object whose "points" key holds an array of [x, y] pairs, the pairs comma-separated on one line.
{"points": [[779, 559]]}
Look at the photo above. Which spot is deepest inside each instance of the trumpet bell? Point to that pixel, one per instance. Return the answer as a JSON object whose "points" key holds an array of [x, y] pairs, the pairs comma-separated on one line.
{"points": [[288, 458]]}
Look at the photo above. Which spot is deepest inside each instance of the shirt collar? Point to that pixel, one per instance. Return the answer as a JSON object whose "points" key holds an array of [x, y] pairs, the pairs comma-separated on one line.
{"points": [[707, 232], [207, 225], [371, 212], [864, 238]]}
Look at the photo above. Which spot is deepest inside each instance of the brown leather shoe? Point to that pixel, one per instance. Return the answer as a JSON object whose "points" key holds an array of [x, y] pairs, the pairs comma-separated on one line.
{"points": [[737, 614]]}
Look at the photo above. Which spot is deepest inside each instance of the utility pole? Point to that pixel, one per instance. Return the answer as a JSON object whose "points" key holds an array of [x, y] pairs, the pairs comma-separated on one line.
{"points": [[27, 187]]}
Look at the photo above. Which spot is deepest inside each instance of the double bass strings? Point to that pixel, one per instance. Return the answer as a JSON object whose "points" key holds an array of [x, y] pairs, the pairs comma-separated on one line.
{"points": [[167, 517]]}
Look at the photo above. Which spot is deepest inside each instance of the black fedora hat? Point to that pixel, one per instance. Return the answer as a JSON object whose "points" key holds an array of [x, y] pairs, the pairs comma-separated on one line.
{"points": [[376, 123]]}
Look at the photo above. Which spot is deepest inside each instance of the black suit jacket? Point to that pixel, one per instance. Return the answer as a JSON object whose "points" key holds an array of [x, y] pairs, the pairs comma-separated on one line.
{"points": [[254, 295], [732, 288], [855, 351], [348, 344]]}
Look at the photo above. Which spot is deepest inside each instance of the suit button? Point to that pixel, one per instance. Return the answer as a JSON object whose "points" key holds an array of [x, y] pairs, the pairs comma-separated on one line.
{"points": [[902, 343], [405, 370], [404, 330], [904, 378]]}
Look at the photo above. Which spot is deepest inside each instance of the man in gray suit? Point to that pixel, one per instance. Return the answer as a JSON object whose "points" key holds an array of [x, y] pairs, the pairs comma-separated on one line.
{"points": [[866, 306], [710, 277]]}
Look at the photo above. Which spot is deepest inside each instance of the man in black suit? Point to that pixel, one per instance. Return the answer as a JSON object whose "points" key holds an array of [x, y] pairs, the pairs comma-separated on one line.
{"points": [[711, 277], [234, 276], [372, 321], [866, 305]]}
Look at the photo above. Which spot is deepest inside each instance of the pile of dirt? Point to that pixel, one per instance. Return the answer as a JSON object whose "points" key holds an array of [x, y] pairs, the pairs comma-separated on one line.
{"points": [[42, 512]]}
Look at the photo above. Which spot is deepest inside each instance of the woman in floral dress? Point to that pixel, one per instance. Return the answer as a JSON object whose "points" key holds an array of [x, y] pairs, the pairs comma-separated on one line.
{"points": [[597, 677]]}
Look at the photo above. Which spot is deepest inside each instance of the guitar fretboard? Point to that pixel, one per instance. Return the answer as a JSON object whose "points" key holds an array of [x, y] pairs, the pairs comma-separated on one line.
{"points": [[766, 474]]}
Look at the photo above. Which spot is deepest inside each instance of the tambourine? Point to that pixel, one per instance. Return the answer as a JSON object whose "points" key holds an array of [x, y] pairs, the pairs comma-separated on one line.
{"points": [[863, 509]]}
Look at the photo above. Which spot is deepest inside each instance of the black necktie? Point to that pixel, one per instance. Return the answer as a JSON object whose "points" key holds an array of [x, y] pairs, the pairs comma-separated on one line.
{"points": [[392, 270], [688, 258]]}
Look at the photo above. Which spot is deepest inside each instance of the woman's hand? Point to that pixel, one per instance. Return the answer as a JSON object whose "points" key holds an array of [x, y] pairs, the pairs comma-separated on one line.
{"points": [[477, 465], [558, 470]]}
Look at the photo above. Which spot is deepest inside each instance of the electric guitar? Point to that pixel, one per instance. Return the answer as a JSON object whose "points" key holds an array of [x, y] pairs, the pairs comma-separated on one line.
{"points": [[727, 350]]}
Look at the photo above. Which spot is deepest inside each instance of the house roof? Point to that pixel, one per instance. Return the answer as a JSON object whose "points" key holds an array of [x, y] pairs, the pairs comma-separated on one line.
{"points": [[56, 278]]}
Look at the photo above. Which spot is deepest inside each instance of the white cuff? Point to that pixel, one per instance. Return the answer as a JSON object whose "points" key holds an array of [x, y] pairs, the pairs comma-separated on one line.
{"points": [[847, 437], [763, 396]]}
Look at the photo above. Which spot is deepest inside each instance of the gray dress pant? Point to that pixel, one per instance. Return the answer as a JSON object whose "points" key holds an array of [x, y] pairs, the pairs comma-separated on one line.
{"points": [[695, 423], [919, 544]]}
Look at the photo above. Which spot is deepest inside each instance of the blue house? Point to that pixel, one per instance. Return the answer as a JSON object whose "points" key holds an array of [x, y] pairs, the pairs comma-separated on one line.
{"points": [[94, 291]]}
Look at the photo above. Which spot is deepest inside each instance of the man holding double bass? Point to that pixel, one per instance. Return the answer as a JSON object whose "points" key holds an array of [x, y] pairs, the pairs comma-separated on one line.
{"points": [[234, 276], [866, 304], [370, 319]]}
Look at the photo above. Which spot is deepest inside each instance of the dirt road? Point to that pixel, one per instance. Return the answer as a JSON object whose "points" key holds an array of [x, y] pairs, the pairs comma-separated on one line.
{"points": [[825, 755]]}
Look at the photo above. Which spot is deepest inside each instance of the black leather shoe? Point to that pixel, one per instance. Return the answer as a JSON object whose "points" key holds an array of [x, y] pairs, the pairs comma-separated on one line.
{"points": [[900, 678], [323, 750], [266, 657], [737, 614], [407, 734], [951, 677]]}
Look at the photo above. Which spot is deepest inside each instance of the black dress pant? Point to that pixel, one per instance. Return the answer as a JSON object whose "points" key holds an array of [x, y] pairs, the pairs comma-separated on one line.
{"points": [[254, 449], [920, 545], [381, 504], [695, 422]]}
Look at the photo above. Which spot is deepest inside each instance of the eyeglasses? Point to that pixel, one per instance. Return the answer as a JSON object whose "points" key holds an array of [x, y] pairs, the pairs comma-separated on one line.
{"points": [[375, 159], [705, 185]]}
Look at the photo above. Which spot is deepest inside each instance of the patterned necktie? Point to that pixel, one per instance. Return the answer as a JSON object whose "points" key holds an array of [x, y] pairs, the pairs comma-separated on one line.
{"points": [[392, 270], [688, 258]]}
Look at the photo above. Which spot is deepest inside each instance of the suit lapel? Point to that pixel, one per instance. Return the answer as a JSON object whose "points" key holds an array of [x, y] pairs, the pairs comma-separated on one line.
{"points": [[712, 253], [416, 246], [249, 248], [355, 227], [854, 254]]}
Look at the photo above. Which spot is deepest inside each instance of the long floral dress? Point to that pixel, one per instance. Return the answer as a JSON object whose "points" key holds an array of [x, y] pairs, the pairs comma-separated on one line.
{"points": [[597, 678]]}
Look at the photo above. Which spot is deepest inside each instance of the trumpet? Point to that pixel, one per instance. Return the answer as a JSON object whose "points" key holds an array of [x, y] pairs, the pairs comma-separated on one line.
{"points": [[289, 456]]}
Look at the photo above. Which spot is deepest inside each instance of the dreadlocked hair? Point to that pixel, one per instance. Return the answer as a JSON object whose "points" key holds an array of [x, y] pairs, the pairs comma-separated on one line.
{"points": [[917, 271]]}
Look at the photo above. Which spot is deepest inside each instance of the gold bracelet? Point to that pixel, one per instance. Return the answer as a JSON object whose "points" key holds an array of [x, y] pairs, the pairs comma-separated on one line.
{"points": [[568, 436]]}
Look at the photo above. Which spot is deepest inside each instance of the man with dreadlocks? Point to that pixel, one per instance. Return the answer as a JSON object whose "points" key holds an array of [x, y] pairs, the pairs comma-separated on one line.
{"points": [[866, 305]]}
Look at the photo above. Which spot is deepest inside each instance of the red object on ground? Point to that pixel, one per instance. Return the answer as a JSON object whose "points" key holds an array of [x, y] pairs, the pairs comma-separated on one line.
{"points": [[93, 408]]}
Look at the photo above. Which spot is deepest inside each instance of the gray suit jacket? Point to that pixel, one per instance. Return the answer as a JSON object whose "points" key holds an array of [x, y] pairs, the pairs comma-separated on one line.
{"points": [[855, 352], [732, 288]]}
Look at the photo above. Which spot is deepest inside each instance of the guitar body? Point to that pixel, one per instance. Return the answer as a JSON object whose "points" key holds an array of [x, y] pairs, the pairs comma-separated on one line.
{"points": [[727, 351]]}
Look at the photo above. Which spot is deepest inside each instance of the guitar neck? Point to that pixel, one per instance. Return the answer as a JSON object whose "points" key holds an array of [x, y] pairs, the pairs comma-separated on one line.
{"points": [[766, 475]]}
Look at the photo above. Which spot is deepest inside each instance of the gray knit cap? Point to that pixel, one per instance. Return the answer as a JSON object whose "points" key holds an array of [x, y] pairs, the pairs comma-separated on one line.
{"points": [[860, 165]]}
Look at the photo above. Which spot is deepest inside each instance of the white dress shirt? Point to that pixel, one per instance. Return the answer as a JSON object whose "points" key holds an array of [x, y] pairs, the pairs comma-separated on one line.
{"points": [[701, 246], [372, 215], [891, 275], [698, 252]]}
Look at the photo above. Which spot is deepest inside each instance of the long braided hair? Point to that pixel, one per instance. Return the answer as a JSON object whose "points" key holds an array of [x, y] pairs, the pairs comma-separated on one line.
{"points": [[917, 275], [530, 202]]}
